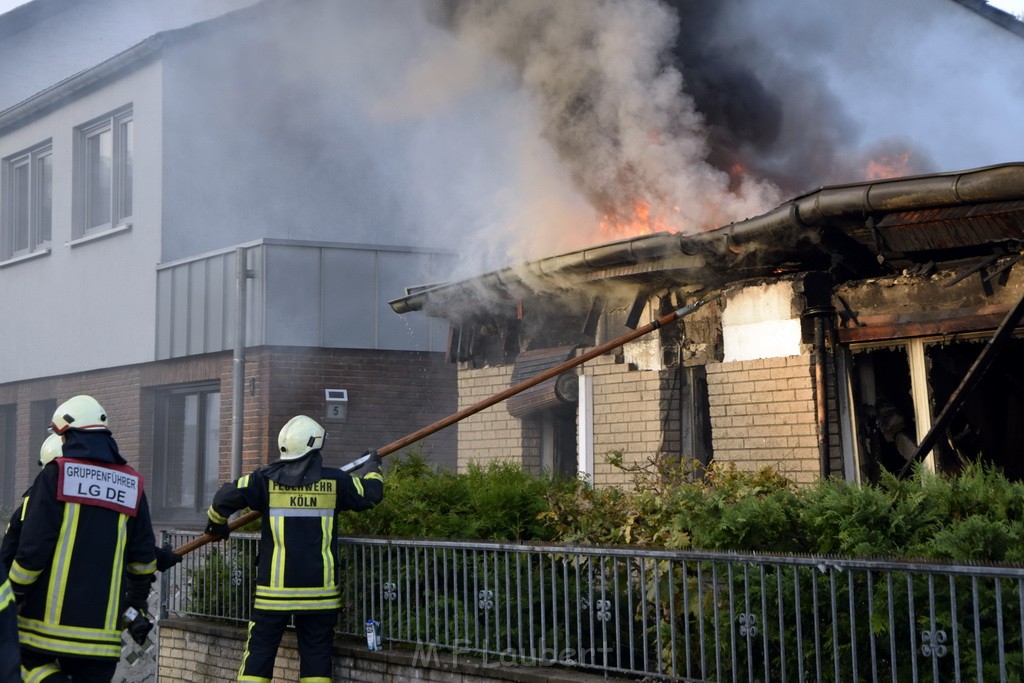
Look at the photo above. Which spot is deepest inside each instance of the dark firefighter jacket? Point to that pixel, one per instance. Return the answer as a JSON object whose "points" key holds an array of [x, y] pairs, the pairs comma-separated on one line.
{"points": [[10, 668], [85, 531], [9, 546], [299, 501]]}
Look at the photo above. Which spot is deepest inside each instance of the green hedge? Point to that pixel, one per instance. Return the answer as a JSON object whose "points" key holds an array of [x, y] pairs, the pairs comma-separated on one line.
{"points": [[977, 515]]}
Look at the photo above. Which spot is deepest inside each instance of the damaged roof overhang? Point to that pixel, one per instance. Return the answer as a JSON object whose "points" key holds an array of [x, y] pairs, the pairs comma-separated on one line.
{"points": [[855, 231]]}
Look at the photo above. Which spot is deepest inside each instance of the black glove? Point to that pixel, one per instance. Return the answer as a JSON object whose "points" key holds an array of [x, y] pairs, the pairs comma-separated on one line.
{"points": [[165, 557], [372, 464], [138, 625], [220, 531]]}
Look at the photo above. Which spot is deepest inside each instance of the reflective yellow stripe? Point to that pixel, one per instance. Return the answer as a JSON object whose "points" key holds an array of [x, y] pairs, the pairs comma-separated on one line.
{"points": [[24, 507], [297, 605], [359, 485], [39, 673], [277, 558], [214, 517], [326, 525], [374, 475], [253, 679], [142, 568], [245, 655], [59, 647], [73, 640], [73, 632], [61, 561], [314, 679], [22, 576], [242, 482], [6, 594], [297, 591], [110, 621], [297, 598]]}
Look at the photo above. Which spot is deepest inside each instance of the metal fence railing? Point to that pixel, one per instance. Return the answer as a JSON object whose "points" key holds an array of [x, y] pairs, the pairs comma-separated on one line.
{"points": [[675, 615]]}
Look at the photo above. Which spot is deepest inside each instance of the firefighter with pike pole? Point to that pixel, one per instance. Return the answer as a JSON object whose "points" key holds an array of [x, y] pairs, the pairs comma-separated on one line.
{"points": [[297, 572], [85, 559]]}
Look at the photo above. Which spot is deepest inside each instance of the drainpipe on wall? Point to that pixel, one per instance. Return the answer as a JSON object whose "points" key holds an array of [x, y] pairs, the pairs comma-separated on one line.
{"points": [[242, 273], [821, 317]]}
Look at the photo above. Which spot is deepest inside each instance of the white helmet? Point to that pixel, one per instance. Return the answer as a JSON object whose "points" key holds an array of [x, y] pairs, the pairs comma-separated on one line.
{"points": [[52, 448], [299, 436], [80, 412]]}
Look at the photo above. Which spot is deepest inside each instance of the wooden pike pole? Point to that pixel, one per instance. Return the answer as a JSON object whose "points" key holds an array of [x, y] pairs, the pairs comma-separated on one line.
{"points": [[667, 319]]}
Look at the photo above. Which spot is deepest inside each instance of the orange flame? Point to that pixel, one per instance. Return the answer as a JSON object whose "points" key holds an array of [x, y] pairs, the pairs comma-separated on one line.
{"points": [[888, 166], [642, 222]]}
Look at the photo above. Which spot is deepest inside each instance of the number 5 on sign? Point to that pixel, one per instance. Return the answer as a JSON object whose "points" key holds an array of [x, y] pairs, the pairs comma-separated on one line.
{"points": [[337, 405]]}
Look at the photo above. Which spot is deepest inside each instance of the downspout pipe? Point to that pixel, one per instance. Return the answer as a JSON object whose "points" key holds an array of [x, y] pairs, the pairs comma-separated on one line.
{"points": [[242, 274], [821, 318]]}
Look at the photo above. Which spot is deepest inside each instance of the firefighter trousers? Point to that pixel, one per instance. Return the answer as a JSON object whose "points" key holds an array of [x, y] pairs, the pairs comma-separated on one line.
{"points": [[37, 667], [314, 632]]}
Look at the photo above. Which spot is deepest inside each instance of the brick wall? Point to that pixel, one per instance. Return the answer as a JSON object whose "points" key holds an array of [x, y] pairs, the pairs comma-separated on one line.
{"points": [[630, 408], [631, 414], [763, 415], [492, 434], [392, 394], [198, 651]]}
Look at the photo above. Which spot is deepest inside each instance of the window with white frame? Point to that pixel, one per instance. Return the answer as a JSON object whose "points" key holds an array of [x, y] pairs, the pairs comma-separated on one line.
{"points": [[27, 215], [103, 173]]}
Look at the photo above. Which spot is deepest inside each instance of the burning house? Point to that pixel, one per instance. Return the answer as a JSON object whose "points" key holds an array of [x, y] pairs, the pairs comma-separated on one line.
{"points": [[850, 330], [206, 207]]}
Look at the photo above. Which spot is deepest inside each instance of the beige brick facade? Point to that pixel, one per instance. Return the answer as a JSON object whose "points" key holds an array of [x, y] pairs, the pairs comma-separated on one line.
{"points": [[630, 407], [191, 651], [763, 415], [628, 416], [492, 434]]}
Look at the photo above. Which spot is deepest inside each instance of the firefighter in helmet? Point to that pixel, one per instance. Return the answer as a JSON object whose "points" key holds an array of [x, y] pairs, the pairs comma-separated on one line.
{"points": [[86, 549], [299, 499], [48, 452]]}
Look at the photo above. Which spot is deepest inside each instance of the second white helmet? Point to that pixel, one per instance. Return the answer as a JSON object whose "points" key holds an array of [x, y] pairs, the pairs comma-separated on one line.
{"points": [[52, 448], [299, 436], [79, 412]]}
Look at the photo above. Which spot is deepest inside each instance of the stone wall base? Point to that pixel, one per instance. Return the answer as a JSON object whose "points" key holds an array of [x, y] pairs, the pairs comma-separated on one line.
{"points": [[192, 651]]}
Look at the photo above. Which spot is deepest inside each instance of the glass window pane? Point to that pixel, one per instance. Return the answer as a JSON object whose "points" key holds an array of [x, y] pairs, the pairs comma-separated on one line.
{"points": [[211, 446], [44, 192], [175, 477], [19, 199], [99, 162]]}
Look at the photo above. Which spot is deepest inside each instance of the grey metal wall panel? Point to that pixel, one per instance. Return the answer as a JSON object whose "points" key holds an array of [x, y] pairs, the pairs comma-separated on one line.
{"points": [[291, 286], [164, 310], [197, 297], [179, 312], [215, 293], [350, 292], [300, 294], [256, 293]]}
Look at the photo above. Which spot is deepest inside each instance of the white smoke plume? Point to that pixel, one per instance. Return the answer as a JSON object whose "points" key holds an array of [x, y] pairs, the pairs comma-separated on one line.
{"points": [[614, 108]]}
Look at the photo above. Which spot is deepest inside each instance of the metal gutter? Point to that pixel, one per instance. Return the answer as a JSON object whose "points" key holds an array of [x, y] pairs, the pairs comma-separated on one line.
{"points": [[803, 219]]}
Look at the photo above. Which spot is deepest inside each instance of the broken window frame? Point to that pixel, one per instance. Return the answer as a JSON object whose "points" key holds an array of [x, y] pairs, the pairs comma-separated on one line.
{"points": [[921, 397]]}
